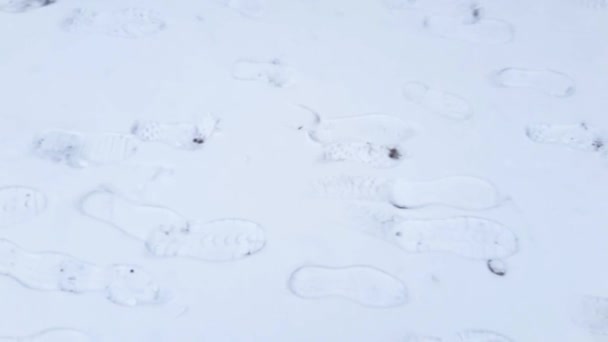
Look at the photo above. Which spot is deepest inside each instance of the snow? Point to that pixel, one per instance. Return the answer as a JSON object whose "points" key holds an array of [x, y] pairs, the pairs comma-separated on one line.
{"points": [[443, 133]]}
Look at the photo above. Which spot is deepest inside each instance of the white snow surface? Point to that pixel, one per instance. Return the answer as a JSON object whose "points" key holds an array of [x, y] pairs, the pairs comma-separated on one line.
{"points": [[211, 111]]}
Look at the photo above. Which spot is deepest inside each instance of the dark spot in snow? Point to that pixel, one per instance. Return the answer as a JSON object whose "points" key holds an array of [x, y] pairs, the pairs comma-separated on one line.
{"points": [[398, 234], [394, 153], [131, 271], [597, 144], [198, 140]]}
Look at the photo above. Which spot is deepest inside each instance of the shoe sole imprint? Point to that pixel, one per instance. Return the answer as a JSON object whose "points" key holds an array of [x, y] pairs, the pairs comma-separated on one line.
{"points": [[376, 156], [465, 236], [81, 150], [549, 82], [185, 136], [462, 192], [446, 104], [125, 23], [122, 284], [365, 285], [576, 136], [21, 6]]}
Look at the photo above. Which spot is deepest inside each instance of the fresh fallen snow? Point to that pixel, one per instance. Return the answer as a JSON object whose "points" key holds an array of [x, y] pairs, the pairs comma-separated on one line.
{"points": [[264, 170]]}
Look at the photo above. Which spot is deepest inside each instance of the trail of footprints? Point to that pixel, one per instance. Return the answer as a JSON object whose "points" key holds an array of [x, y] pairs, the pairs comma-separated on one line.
{"points": [[375, 140]]}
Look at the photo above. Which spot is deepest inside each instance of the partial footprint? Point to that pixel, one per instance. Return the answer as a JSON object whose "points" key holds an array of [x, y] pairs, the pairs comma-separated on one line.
{"points": [[20, 204], [273, 72], [168, 234], [592, 314], [51, 335], [81, 150], [377, 156], [575, 136], [133, 218], [365, 285], [465, 236], [249, 8], [440, 102], [186, 136], [125, 23], [20, 6], [550, 82], [464, 336], [122, 284], [480, 31], [221, 240], [463, 192]]}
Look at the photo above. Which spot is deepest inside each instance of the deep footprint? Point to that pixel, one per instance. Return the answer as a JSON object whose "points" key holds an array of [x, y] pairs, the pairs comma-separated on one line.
{"points": [[20, 204], [81, 150], [576, 136], [465, 236], [221, 240], [20, 6], [186, 136], [437, 101], [480, 31], [273, 72], [550, 82], [125, 23], [365, 285], [126, 285], [51, 335], [462, 192], [168, 234]]}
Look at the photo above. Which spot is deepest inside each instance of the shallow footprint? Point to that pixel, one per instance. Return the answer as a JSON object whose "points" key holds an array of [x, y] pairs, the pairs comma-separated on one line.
{"points": [[443, 103], [365, 285], [465, 236], [133, 218], [273, 72], [576, 136], [186, 136], [126, 285], [52, 335], [221, 240], [378, 129], [20, 204], [462, 192], [20, 6], [125, 23], [550, 82], [377, 156], [81, 150], [480, 31]]}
